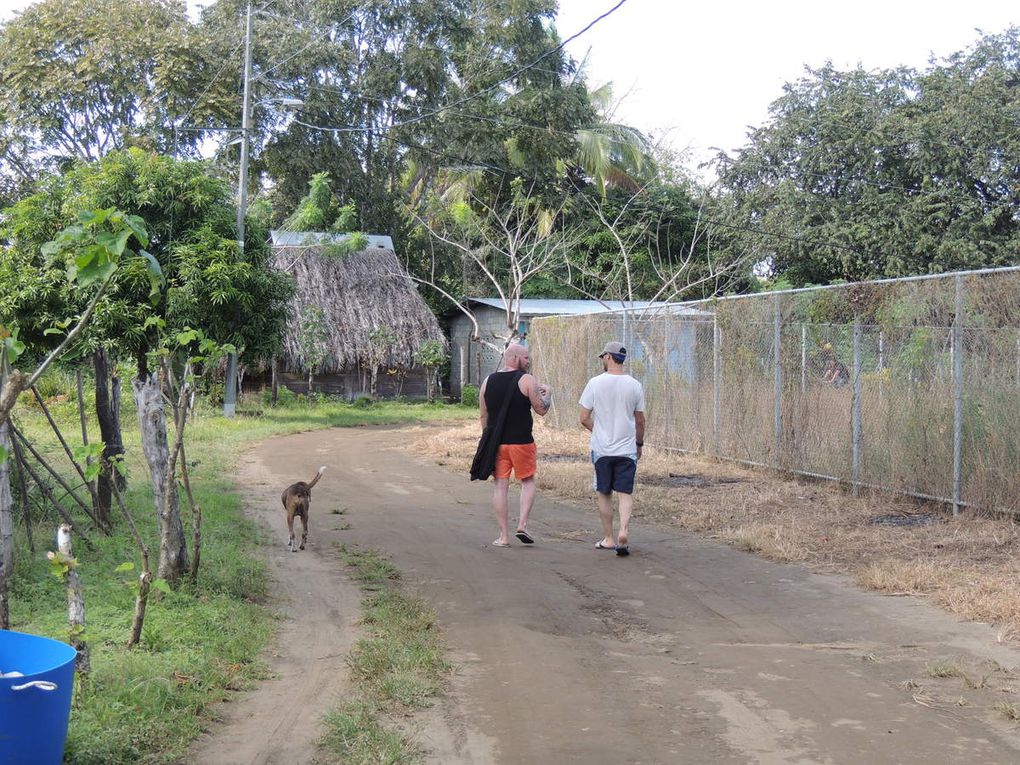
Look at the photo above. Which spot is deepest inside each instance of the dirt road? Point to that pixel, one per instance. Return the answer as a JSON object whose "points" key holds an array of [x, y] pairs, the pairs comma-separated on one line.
{"points": [[685, 652]]}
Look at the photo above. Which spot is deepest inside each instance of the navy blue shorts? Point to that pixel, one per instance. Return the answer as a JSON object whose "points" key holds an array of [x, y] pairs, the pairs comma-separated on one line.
{"points": [[615, 474]]}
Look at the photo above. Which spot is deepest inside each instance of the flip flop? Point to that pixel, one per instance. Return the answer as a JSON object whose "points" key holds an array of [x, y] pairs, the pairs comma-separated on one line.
{"points": [[525, 537], [622, 550], [600, 546], [497, 543]]}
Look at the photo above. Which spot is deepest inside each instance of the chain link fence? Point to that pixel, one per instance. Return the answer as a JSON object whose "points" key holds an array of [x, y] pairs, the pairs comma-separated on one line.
{"points": [[910, 385]]}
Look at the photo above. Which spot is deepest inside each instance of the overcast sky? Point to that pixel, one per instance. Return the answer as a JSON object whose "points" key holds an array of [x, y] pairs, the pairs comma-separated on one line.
{"points": [[700, 73], [703, 71]]}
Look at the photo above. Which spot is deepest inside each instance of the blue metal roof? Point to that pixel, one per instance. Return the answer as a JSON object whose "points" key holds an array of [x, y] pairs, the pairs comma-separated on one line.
{"points": [[302, 238]]}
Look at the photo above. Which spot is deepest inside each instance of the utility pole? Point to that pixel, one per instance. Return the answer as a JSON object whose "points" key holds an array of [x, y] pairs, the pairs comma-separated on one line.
{"points": [[230, 388]]}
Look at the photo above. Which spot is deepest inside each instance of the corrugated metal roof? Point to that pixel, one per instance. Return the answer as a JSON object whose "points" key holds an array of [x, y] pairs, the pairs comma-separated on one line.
{"points": [[299, 238], [562, 307]]}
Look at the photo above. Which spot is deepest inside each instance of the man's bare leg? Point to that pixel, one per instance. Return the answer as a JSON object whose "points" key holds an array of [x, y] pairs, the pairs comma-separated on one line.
{"points": [[499, 491], [527, 502], [606, 516], [626, 508]]}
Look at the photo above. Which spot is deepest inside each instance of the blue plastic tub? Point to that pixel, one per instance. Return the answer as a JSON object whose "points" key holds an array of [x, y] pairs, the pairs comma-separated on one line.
{"points": [[35, 708]]}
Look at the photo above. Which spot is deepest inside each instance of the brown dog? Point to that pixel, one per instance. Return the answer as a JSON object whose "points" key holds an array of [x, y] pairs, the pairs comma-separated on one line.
{"points": [[297, 498]]}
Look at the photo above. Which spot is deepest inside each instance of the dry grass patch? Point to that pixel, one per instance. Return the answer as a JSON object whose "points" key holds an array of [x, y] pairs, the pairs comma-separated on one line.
{"points": [[1008, 710], [969, 565]]}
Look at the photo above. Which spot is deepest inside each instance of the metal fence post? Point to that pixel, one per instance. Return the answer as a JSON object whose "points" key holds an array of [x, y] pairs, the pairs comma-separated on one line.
{"points": [[717, 383], [957, 345], [855, 410], [803, 358], [777, 414]]}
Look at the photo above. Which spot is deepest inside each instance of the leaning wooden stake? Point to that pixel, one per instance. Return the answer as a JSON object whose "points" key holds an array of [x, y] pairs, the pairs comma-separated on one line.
{"points": [[26, 509], [75, 600], [144, 579], [45, 489], [19, 436], [67, 450]]}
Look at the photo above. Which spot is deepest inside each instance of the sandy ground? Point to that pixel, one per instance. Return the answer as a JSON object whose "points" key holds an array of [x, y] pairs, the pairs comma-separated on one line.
{"points": [[319, 607], [688, 651]]}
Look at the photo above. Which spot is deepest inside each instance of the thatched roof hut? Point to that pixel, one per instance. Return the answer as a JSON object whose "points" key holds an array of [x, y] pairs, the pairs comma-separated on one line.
{"points": [[357, 293]]}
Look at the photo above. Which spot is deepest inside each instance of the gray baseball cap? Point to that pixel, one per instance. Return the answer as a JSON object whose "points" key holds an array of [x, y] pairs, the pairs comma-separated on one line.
{"points": [[613, 347]]}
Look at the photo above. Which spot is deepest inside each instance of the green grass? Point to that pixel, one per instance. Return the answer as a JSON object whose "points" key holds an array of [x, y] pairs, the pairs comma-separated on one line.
{"points": [[200, 643], [397, 667]]}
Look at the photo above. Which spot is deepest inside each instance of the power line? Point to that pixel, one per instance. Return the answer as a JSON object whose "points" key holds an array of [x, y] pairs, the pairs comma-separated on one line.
{"points": [[466, 99], [942, 195], [223, 66]]}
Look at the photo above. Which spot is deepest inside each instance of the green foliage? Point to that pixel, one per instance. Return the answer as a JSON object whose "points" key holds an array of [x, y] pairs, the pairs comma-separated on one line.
{"points": [[469, 395], [313, 337], [83, 77], [320, 211], [431, 354], [210, 284], [863, 174], [380, 345]]}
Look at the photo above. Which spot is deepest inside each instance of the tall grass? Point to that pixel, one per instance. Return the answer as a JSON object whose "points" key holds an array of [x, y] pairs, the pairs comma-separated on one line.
{"points": [[397, 667], [201, 642]]}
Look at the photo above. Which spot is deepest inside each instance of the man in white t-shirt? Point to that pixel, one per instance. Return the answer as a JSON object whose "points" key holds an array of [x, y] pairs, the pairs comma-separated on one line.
{"points": [[613, 409]]}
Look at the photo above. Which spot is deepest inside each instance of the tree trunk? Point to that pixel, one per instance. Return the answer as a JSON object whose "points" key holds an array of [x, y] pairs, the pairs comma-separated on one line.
{"points": [[173, 551], [141, 601], [115, 399], [276, 382], [108, 415], [6, 525]]}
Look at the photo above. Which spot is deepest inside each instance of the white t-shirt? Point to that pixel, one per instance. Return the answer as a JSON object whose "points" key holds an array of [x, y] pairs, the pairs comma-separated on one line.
{"points": [[613, 399]]}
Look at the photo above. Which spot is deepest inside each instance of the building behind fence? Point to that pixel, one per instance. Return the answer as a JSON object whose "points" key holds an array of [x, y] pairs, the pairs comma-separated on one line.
{"points": [[910, 384]]}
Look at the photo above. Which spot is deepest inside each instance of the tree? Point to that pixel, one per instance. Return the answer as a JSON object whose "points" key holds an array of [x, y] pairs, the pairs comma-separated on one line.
{"points": [[505, 247], [380, 348], [319, 210], [431, 355], [610, 153], [84, 77], [231, 294], [366, 73], [314, 340], [90, 253], [651, 244], [863, 174], [212, 284]]}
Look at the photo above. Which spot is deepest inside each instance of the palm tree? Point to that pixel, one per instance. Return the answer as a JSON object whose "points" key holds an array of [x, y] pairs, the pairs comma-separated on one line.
{"points": [[611, 153]]}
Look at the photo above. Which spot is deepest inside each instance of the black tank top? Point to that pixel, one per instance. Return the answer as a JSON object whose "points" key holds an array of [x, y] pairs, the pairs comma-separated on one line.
{"points": [[517, 429]]}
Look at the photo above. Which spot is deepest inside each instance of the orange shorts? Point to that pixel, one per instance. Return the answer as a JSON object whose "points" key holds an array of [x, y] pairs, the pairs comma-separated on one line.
{"points": [[521, 457]]}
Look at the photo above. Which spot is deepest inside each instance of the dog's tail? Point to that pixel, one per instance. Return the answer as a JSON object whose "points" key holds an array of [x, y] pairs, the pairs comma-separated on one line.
{"points": [[317, 477]]}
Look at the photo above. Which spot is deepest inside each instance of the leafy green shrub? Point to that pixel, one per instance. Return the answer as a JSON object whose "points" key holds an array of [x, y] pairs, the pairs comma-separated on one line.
{"points": [[58, 381], [363, 402], [469, 395]]}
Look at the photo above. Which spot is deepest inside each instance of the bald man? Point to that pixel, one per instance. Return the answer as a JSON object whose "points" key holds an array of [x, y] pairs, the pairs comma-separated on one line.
{"points": [[517, 451]]}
